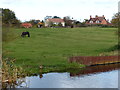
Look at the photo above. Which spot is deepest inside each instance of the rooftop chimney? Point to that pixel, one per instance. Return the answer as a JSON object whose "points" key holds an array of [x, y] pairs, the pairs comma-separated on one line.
{"points": [[96, 16], [90, 16], [103, 16]]}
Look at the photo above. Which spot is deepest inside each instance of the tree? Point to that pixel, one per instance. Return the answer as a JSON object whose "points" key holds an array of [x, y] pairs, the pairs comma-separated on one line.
{"points": [[85, 20], [56, 17], [59, 24], [77, 23], [68, 21], [115, 21], [33, 22], [8, 17]]}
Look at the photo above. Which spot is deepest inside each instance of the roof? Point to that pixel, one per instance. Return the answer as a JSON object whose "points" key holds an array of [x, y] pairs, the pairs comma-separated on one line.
{"points": [[97, 18], [40, 23], [56, 20], [26, 24]]}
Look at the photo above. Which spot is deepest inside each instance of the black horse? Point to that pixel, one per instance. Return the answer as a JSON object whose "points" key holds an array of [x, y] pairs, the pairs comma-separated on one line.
{"points": [[25, 33]]}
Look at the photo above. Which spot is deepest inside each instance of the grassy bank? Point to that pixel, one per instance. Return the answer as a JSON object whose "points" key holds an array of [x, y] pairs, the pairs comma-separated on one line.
{"points": [[51, 47]]}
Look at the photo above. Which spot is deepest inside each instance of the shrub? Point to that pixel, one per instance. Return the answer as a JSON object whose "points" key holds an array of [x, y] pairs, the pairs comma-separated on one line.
{"points": [[8, 34], [10, 73]]}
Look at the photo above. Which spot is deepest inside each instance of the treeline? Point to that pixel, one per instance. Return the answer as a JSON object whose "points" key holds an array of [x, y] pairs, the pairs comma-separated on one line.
{"points": [[9, 19]]}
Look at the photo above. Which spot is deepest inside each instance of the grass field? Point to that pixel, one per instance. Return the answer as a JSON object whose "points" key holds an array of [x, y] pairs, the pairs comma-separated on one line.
{"points": [[51, 47]]}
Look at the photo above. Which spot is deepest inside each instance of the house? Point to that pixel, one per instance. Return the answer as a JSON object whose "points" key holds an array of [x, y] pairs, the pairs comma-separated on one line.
{"points": [[26, 25], [97, 20], [40, 24], [54, 21]]}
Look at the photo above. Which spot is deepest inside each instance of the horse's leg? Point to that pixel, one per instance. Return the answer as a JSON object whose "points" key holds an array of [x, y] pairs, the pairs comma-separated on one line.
{"points": [[28, 34], [22, 35]]}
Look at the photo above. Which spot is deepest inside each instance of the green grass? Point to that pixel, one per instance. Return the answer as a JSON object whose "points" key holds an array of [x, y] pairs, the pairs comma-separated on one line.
{"points": [[52, 47]]}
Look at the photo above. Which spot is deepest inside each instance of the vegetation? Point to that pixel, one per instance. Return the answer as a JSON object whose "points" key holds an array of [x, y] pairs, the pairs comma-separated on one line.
{"points": [[10, 73], [115, 21], [68, 21], [52, 47], [8, 35], [9, 18], [56, 17], [33, 22]]}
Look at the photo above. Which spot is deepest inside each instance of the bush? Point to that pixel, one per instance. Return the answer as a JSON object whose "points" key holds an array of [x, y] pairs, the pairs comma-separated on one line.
{"points": [[99, 25], [10, 73], [8, 34]]}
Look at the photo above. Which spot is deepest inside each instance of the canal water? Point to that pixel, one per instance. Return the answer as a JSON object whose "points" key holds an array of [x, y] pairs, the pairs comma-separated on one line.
{"points": [[102, 76]]}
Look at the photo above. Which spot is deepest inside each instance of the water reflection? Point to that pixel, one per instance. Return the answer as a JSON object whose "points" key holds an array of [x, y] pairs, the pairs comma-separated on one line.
{"points": [[40, 74], [102, 76], [95, 69], [63, 80]]}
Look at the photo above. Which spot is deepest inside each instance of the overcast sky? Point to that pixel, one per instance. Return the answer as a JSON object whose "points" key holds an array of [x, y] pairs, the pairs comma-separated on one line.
{"points": [[78, 9]]}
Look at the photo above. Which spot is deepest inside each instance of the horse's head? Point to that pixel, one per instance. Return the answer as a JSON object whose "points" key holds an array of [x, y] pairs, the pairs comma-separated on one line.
{"points": [[25, 33]]}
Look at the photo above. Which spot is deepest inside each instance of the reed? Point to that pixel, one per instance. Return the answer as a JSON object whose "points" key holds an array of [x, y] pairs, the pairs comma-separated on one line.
{"points": [[10, 72]]}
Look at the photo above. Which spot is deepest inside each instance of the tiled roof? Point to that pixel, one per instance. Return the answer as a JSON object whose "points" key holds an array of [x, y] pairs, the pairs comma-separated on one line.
{"points": [[26, 24], [97, 18], [101, 18]]}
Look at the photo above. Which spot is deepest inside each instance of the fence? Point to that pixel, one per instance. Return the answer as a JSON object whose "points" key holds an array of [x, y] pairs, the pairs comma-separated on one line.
{"points": [[93, 60]]}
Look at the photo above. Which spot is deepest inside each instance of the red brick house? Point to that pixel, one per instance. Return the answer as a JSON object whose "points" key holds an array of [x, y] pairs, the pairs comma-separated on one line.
{"points": [[26, 25], [97, 20]]}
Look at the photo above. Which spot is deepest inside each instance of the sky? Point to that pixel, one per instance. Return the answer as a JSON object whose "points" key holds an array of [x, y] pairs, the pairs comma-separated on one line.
{"points": [[78, 9]]}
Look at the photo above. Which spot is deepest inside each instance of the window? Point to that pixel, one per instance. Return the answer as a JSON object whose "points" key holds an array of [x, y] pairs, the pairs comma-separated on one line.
{"points": [[97, 21], [91, 21]]}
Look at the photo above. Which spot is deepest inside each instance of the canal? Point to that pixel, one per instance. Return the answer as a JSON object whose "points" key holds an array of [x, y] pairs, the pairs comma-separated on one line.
{"points": [[101, 76]]}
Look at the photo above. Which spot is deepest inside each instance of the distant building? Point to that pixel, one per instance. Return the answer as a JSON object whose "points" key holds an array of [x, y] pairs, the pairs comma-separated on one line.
{"points": [[48, 17], [40, 24], [97, 20], [55, 21], [26, 25]]}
